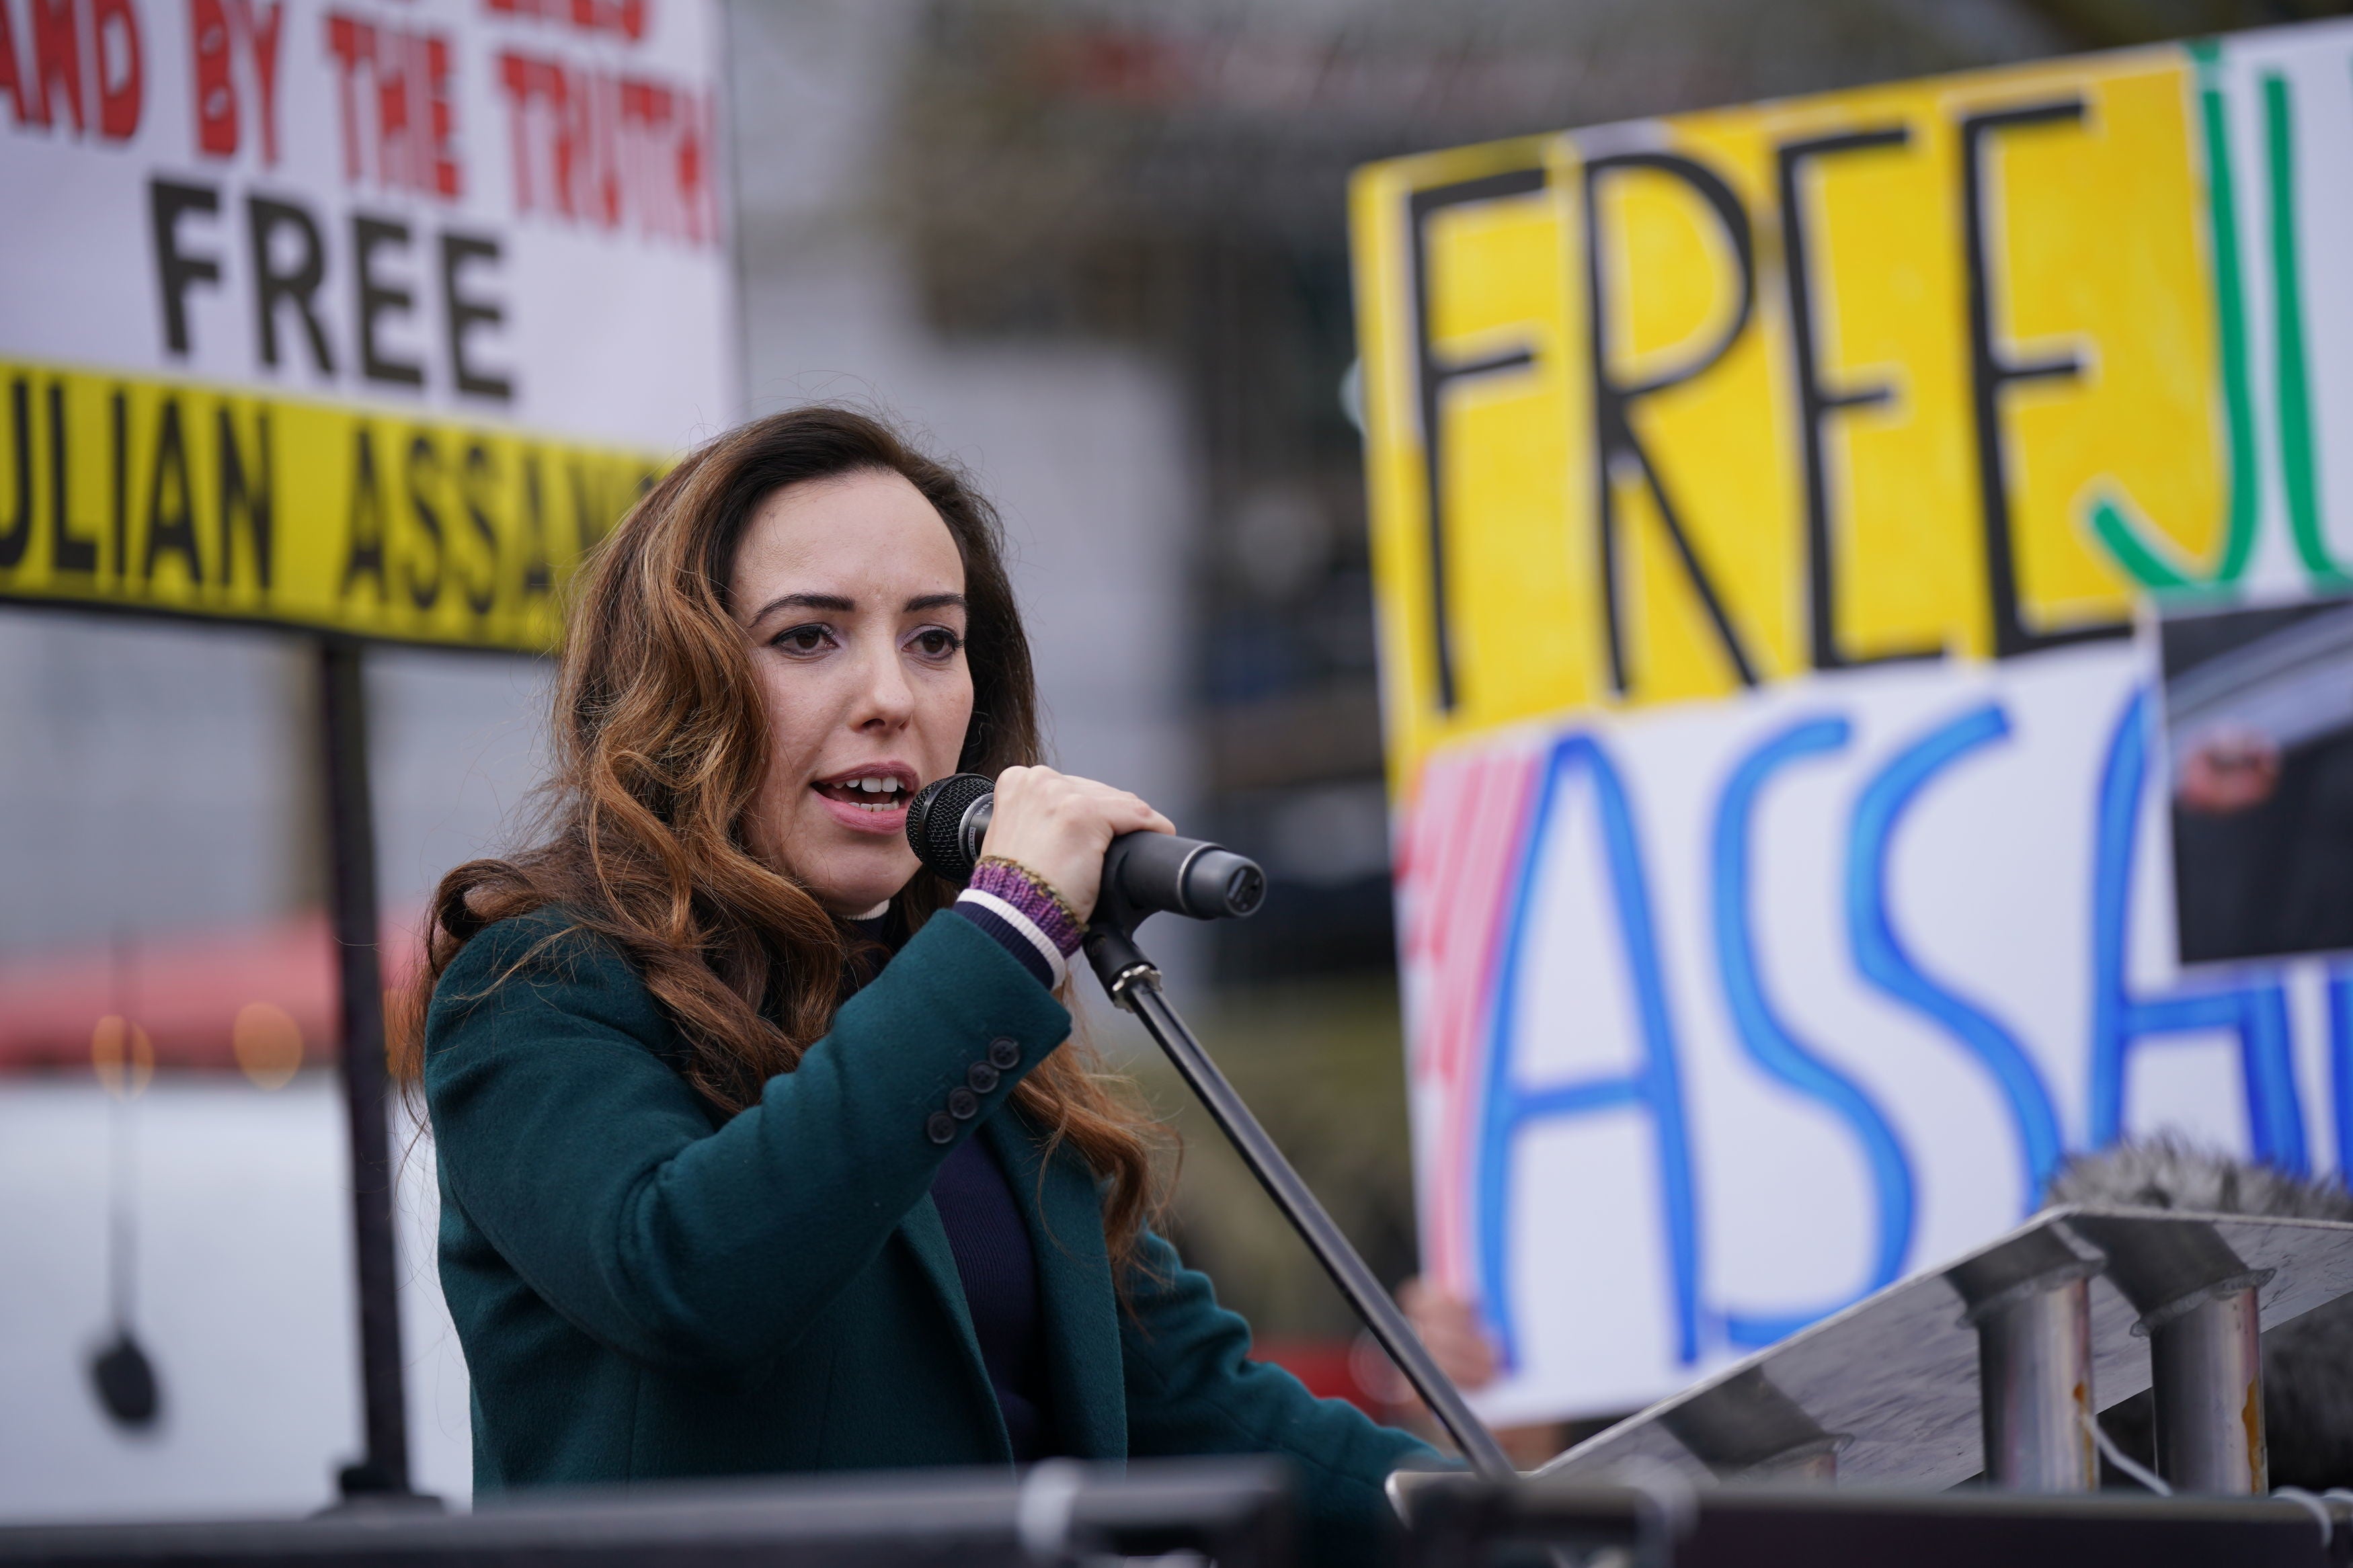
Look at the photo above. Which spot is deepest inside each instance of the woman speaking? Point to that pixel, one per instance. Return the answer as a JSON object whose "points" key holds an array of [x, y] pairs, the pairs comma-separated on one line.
{"points": [[761, 1148]]}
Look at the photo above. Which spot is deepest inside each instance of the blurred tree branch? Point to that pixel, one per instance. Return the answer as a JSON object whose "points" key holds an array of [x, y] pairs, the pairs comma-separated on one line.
{"points": [[2110, 24]]}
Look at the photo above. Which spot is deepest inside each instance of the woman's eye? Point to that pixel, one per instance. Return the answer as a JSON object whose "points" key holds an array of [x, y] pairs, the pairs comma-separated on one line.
{"points": [[802, 639], [937, 642]]}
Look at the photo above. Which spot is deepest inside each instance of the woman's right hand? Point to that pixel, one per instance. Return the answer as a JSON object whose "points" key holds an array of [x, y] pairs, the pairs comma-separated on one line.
{"points": [[1449, 1330], [1057, 827]]}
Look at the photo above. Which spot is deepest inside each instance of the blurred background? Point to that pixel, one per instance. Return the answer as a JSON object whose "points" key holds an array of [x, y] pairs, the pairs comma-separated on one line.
{"points": [[1097, 252]]}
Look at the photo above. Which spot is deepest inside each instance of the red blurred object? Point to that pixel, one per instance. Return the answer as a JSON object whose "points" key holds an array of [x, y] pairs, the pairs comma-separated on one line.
{"points": [[185, 990], [1325, 1366], [1126, 66]]}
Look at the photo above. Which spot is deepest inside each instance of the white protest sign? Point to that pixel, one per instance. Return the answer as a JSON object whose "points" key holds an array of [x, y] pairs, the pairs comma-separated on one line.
{"points": [[363, 316]]}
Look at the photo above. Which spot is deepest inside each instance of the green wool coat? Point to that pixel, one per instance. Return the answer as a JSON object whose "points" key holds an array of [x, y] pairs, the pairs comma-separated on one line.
{"points": [[646, 1288]]}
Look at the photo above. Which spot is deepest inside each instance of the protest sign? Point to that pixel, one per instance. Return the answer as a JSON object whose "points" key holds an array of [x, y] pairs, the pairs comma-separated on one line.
{"points": [[1767, 507], [364, 317]]}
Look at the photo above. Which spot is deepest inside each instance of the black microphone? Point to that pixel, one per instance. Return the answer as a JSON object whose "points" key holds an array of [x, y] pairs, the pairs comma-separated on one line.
{"points": [[1143, 872]]}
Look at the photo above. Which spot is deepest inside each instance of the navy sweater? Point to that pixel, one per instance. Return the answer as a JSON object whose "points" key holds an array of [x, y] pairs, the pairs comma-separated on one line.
{"points": [[993, 1259]]}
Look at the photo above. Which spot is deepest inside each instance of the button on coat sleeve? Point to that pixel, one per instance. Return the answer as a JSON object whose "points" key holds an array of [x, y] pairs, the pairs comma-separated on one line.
{"points": [[596, 1171]]}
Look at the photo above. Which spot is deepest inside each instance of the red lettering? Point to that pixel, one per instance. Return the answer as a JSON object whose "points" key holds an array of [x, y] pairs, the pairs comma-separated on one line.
{"points": [[11, 76], [698, 192], [216, 28], [215, 77], [56, 56], [392, 150], [594, 113], [441, 118], [607, 149], [122, 81], [76, 49], [398, 98], [625, 18], [352, 43], [261, 33], [515, 74]]}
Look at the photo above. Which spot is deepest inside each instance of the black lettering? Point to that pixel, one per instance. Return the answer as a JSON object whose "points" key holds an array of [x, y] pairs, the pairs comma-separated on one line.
{"points": [[19, 533], [1434, 374], [364, 526], [589, 515], [461, 313], [1817, 402], [378, 299], [480, 475], [69, 551], [250, 499], [1990, 372], [173, 529], [538, 572], [119, 519], [1617, 446], [176, 270], [296, 284], [422, 473]]}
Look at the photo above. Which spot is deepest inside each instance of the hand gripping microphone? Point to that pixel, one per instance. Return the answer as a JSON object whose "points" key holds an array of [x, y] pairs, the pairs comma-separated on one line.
{"points": [[1143, 872]]}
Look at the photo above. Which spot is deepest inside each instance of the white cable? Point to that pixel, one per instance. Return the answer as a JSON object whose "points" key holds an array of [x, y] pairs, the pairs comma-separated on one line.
{"points": [[2123, 1461]]}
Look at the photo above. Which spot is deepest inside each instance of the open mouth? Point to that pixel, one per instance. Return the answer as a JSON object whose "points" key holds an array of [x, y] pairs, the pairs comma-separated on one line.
{"points": [[876, 793]]}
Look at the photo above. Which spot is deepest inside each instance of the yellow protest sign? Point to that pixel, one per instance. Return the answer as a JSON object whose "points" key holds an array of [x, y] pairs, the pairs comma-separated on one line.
{"points": [[140, 493], [1944, 368], [1866, 702]]}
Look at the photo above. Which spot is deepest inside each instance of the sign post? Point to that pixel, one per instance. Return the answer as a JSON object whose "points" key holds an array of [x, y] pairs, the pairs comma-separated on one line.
{"points": [[361, 319], [351, 851]]}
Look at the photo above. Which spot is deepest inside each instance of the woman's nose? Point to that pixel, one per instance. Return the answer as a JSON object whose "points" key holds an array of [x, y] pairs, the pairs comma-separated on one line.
{"points": [[886, 700]]}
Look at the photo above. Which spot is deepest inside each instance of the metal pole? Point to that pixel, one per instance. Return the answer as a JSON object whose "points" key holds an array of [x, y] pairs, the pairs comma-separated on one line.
{"points": [[1137, 986], [2207, 1367], [2034, 1374], [2198, 1305], [351, 899]]}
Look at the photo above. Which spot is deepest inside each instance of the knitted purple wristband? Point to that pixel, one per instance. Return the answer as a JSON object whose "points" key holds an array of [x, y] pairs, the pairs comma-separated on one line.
{"points": [[1038, 902]]}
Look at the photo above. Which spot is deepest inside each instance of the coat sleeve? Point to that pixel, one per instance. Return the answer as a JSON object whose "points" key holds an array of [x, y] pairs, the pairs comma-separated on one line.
{"points": [[1193, 1389], [595, 1169]]}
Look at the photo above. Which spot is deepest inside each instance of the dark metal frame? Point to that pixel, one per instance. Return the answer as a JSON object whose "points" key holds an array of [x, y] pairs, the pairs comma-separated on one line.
{"points": [[1454, 1521], [1234, 1512], [383, 1468]]}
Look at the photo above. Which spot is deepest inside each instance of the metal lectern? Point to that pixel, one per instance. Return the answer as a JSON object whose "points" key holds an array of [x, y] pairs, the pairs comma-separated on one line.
{"points": [[1996, 1364]]}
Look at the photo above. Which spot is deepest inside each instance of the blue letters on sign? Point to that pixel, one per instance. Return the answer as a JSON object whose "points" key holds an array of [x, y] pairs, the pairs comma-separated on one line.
{"points": [[2340, 1063], [1771, 1044], [1509, 1109], [2254, 1009], [2257, 1013], [1884, 962]]}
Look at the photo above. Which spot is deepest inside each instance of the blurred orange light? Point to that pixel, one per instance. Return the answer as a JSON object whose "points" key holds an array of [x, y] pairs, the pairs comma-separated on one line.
{"points": [[267, 1043], [122, 1055]]}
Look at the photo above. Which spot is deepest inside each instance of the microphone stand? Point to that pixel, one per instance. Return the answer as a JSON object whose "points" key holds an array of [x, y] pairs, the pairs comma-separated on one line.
{"points": [[1133, 981]]}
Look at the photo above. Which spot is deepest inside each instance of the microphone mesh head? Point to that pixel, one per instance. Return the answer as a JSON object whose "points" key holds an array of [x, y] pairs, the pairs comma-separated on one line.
{"points": [[935, 816]]}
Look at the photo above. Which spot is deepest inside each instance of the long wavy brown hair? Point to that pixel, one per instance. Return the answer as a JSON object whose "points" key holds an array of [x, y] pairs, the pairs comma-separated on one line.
{"points": [[661, 746]]}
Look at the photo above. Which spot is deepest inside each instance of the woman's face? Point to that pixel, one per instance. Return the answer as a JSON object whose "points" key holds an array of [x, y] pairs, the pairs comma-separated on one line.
{"points": [[851, 593]]}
